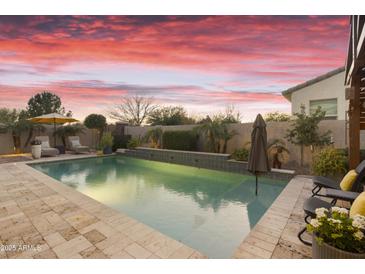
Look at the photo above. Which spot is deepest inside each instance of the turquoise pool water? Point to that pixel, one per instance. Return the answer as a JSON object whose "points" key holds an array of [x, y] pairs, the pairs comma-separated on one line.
{"points": [[211, 211]]}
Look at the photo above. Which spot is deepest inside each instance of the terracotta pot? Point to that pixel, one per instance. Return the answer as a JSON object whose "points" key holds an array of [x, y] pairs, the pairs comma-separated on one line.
{"points": [[326, 251]]}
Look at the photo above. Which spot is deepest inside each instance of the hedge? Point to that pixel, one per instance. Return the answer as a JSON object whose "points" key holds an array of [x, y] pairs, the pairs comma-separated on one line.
{"points": [[179, 140], [120, 141]]}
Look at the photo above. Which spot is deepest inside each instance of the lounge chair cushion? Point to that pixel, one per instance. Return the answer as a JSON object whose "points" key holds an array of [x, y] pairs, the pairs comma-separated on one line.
{"points": [[348, 180], [45, 144], [358, 207], [50, 151], [75, 143]]}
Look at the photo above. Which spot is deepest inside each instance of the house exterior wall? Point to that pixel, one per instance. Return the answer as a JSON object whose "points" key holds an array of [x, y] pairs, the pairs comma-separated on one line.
{"points": [[332, 87]]}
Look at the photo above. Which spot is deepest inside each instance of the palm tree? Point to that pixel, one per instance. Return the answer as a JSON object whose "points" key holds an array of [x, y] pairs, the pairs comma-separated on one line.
{"points": [[14, 122], [154, 136], [69, 130], [226, 136], [216, 131]]}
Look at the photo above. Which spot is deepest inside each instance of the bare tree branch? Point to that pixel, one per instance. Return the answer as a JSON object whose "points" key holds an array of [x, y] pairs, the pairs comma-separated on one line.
{"points": [[134, 110]]}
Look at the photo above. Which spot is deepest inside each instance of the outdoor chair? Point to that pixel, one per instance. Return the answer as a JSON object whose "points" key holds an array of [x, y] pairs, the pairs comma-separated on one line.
{"points": [[75, 146], [46, 149], [333, 188], [311, 204]]}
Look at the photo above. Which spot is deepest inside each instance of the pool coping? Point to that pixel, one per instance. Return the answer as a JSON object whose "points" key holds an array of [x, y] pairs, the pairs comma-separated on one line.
{"points": [[272, 222]]}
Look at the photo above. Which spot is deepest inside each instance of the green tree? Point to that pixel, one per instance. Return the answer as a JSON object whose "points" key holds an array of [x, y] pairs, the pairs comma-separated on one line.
{"points": [[44, 103], [304, 131], [277, 116], [14, 121], [68, 130], [40, 104], [169, 115], [97, 122]]}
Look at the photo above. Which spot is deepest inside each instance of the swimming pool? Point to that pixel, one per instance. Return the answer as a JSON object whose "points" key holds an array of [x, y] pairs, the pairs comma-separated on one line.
{"points": [[210, 211]]}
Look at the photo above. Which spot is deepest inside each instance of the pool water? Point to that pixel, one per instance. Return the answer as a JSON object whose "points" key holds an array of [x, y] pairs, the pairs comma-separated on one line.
{"points": [[208, 210]]}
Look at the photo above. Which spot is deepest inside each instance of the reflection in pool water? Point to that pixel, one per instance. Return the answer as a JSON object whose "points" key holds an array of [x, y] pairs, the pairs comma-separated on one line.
{"points": [[209, 210]]}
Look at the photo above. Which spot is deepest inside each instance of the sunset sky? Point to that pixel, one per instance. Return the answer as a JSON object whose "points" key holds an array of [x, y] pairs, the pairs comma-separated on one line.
{"points": [[201, 63]]}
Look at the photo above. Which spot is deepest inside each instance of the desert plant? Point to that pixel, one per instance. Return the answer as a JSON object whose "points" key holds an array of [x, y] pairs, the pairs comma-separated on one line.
{"points": [[304, 131], [329, 162], [241, 154], [277, 148], [133, 143], [154, 137], [106, 140]]}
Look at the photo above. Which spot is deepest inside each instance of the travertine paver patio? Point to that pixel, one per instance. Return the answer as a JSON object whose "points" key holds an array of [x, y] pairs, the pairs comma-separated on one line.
{"points": [[275, 235], [42, 218], [63, 223]]}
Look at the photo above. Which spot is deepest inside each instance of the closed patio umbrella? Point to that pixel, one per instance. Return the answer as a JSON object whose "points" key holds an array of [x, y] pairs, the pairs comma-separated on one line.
{"points": [[52, 118], [258, 160]]}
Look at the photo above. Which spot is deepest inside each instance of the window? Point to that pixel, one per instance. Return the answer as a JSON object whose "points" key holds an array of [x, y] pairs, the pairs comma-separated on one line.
{"points": [[327, 105]]}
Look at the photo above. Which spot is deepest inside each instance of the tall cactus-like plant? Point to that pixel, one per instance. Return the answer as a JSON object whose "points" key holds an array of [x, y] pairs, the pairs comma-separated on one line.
{"points": [[154, 137]]}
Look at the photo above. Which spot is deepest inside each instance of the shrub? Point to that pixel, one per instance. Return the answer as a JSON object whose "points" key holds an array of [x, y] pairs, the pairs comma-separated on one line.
{"points": [[329, 161], [179, 140], [120, 141], [106, 140], [240, 154], [133, 143]]}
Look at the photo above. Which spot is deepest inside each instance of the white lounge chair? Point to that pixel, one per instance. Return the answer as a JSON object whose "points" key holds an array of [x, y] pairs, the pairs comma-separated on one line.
{"points": [[75, 146], [46, 149]]}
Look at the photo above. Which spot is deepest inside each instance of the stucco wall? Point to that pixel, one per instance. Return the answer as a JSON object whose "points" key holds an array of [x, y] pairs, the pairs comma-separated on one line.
{"points": [[88, 138], [275, 130], [329, 88]]}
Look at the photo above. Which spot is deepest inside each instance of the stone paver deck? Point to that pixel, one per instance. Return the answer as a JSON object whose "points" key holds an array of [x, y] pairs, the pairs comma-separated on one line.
{"points": [[42, 218], [275, 235]]}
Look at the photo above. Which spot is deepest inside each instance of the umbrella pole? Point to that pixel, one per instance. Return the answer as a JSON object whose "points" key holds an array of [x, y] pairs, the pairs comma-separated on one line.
{"points": [[54, 131], [256, 184]]}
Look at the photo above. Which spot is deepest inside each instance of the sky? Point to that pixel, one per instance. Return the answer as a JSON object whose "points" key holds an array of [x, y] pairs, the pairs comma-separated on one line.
{"points": [[203, 63]]}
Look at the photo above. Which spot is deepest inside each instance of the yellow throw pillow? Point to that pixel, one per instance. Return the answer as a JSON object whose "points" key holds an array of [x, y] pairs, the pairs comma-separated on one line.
{"points": [[348, 180], [358, 207]]}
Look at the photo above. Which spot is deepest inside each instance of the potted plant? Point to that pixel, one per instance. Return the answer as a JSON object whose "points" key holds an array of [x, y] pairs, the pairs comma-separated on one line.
{"points": [[336, 235], [36, 149], [106, 143], [278, 152]]}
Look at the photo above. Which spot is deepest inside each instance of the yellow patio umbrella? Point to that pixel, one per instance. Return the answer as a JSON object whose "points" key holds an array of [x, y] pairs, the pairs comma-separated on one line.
{"points": [[52, 118]]}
